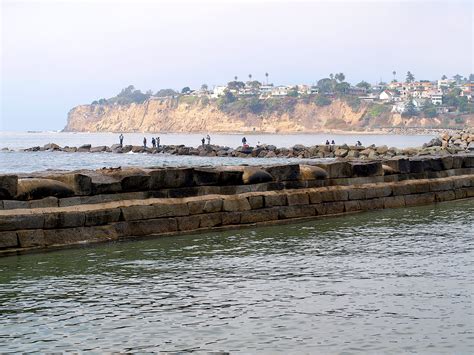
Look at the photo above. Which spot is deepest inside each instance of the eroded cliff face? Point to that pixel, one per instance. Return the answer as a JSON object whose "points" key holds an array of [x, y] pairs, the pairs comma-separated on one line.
{"points": [[171, 116]]}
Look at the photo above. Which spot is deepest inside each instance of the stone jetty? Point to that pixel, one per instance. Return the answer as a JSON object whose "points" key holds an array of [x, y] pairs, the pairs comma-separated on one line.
{"points": [[54, 209], [446, 144]]}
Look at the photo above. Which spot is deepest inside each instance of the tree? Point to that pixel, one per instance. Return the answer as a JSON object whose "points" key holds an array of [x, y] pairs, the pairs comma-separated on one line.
{"points": [[444, 77], [235, 78], [340, 77], [471, 78], [185, 90], [410, 77], [363, 84], [410, 109], [322, 100], [266, 75], [429, 109], [342, 87], [325, 85], [250, 77], [165, 93], [204, 87], [457, 77], [331, 76], [394, 73], [235, 85], [149, 93]]}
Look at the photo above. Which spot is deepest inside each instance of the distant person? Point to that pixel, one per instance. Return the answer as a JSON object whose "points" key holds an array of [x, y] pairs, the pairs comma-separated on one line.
{"points": [[121, 139], [157, 142], [359, 144], [144, 142], [327, 141], [208, 137], [333, 143], [153, 142], [203, 141], [244, 141]]}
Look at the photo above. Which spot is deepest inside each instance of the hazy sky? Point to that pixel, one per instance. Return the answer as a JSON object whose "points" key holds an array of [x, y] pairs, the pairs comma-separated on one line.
{"points": [[58, 54]]}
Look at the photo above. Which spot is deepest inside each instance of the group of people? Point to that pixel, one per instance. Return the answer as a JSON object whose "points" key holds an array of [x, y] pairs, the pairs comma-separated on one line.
{"points": [[358, 144], [208, 138], [155, 142]]}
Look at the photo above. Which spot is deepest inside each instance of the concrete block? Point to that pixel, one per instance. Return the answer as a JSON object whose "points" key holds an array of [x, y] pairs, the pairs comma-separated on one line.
{"points": [[210, 220], [352, 206], [416, 166], [236, 204], [8, 240], [297, 198], [15, 204], [285, 172], [393, 202], [373, 204], [152, 226], [204, 177], [419, 199], [337, 169], [64, 219], [188, 222], [296, 211], [256, 201], [171, 178], [69, 236], [275, 199], [334, 207], [356, 193], [100, 217], [31, 238], [445, 196], [441, 185], [310, 172], [81, 184], [263, 215], [44, 202], [373, 168], [315, 197], [231, 218], [21, 221]]}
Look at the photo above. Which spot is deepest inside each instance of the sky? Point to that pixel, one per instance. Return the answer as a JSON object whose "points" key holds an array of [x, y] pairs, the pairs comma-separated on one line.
{"points": [[59, 54]]}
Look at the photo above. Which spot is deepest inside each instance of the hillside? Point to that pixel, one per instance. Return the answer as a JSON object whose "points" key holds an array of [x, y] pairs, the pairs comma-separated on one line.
{"points": [[289, 115]]}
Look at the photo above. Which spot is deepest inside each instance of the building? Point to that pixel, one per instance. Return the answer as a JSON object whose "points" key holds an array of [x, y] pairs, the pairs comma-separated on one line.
{"points": [[387, 96], [218, 91], [436, 98], [281, 90]]}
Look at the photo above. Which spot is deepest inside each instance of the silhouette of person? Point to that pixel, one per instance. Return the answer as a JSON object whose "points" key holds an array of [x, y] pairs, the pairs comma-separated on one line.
{"points": [[121, 139]]}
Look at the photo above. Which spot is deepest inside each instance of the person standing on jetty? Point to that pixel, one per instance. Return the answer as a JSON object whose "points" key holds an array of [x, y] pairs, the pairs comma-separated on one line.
{"points": [[244, 141], [121, 139], [157, 142], [203, 141], [153, 142], [208, 137], [144, 142]]}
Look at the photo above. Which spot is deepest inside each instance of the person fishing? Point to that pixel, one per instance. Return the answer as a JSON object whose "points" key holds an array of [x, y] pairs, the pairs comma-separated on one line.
{"points": [[121, 139], [153, 142], [144, 142]]}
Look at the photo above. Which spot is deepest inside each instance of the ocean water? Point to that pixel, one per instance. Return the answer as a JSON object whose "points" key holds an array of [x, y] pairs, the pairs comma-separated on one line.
{"points": [[18, 161], [391, 281]]}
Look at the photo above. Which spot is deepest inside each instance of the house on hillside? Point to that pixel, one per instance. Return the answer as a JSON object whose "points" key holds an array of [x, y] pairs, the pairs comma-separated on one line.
{"points": [[218, 91], [436, 97], [387, 96], [281, 90]]}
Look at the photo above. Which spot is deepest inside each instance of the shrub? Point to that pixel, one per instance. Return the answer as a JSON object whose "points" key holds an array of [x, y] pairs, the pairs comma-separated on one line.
{"points": [[322, 100]]}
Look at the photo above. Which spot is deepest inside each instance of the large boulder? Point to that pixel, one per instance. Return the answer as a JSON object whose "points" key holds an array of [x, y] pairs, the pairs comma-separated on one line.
{"points": [[310, 172], [8, 186], [37, 188], [253, 175], [285, 172]]}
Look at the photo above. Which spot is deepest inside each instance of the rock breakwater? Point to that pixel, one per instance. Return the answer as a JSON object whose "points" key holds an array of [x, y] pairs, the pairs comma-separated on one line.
{"points": [[57, 208]]}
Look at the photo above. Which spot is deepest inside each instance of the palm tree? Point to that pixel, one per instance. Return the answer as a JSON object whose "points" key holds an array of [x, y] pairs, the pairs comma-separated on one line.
{"points": [[250, 77], [235, 78], [394, 73], [266, 74]]}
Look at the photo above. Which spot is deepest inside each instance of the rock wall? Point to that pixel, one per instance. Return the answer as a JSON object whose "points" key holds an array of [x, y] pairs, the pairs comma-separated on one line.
{"points": [[56, 209], [173, 116]]}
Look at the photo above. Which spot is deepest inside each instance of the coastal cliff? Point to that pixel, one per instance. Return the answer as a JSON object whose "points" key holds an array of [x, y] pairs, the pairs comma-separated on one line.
{"points": [[291, 116]]}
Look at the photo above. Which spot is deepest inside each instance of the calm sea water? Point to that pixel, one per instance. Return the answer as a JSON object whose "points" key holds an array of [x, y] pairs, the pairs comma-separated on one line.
{"points": [[17, 161], [381, 282]]}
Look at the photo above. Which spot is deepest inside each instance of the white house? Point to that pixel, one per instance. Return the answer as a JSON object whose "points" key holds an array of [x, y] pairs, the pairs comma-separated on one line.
{"points": [[386, 95], [218, 91], [280, 90], [437, 98]]}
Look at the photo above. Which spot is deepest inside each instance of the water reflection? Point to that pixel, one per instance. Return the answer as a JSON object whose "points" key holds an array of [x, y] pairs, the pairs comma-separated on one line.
{"points": [[396, 280]]}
